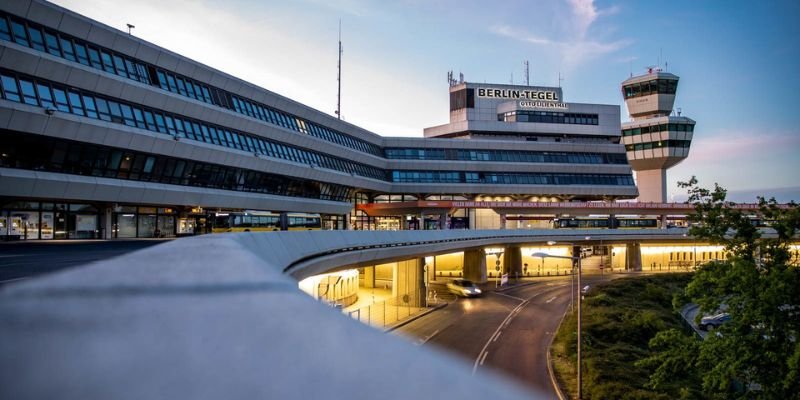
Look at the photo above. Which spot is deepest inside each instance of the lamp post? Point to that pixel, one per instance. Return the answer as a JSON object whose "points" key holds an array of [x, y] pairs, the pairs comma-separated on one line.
{"points": [[573, 258]]}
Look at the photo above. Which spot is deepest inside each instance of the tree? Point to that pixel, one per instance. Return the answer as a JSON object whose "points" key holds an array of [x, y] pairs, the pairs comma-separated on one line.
{"points": [[757, 353]]}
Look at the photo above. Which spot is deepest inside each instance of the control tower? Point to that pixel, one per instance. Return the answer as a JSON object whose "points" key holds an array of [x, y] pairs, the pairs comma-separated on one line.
{"points": [[656, 138]]}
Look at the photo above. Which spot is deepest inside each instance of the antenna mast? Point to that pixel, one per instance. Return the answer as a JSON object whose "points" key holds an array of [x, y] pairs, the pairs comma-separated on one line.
{"points": [[527, 73], [339, 76]]}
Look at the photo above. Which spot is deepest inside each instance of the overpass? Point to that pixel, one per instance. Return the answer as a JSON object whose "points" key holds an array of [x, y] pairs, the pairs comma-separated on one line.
{"points": [[221, 316]]}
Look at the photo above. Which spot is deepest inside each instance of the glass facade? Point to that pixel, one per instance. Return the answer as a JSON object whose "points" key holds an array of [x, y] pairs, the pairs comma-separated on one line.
{"points": [[671, 127], [38, 92], [510, 178], [32, 220], [657, 145], [29, 34], [549, 117], [40, 153], [506, 156], [655, 86]]}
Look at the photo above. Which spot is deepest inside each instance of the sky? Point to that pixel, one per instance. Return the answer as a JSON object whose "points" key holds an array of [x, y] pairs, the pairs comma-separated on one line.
{"points": [[736, 61]]}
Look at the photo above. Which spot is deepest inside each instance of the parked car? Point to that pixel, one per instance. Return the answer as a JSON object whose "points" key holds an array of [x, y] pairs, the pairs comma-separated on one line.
{"points": [[711, 322], [463, 288]]}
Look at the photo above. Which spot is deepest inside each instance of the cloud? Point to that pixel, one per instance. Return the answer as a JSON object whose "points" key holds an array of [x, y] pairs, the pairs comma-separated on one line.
{"points": [[577, 49], [730, 146]]}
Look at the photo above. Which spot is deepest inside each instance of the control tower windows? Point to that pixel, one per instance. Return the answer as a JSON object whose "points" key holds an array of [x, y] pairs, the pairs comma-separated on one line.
{"points": [[655, 86], [672, 127]]}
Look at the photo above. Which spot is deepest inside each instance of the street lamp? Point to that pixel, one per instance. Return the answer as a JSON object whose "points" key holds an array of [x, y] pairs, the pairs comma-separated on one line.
{"points": [[543, 255]]}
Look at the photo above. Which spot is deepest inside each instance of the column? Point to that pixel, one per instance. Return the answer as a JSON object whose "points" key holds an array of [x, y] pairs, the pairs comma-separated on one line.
{"points": [[475, 265], [404, 220], [472, 215], [633, 257], [443, 221], [663, 221], [369, 277], [107, 223], [502, 221], [347, 225], [512, 261], [408, 283]]}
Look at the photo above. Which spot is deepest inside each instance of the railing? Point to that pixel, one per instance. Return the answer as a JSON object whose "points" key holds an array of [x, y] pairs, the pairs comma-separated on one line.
{"points": [[386, 313]]}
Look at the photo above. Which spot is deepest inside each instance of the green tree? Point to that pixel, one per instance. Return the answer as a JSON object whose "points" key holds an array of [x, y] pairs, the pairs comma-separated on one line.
{"points": [[757, 353]]}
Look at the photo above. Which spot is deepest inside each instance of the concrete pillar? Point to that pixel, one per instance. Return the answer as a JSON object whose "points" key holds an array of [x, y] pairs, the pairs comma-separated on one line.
{"points": [[475, 265], [107, 223], [512, 261], [422, 226], [502, 221], [633, 257], [612, 222], [663, 221], [404, 221], [369, 277], [408, 283], [652, 184], [347, 225], [472, 215], [443, 221]]}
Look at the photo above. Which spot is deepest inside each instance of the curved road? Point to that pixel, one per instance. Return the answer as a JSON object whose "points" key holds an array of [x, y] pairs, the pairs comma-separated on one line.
{"points": [[508, 331]]}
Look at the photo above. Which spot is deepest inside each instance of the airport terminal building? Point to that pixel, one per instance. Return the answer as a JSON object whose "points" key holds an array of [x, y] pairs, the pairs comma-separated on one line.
{"points": [[104, 135]]}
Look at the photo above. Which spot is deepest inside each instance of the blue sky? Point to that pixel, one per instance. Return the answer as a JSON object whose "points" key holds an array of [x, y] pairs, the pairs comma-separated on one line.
{"points": [[736, 60]]}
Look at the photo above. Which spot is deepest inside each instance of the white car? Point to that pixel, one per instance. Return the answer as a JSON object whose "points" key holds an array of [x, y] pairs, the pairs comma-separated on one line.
{"points": [[463, 288]]}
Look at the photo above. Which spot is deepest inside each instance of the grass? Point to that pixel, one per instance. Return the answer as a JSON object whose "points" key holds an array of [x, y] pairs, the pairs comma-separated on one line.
{"points": [[619, 319]]}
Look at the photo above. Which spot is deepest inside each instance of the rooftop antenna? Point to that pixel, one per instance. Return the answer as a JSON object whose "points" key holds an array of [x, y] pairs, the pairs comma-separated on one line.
{"points": [[339, 76], [460, 77], [660, 55], [527, 73], [630, 65], [130, 26], [560, 79], [511, 81]]}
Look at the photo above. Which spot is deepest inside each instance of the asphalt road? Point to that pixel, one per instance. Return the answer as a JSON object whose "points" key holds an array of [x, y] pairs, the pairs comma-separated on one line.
{"points": [[508, 332], [21, 260]]}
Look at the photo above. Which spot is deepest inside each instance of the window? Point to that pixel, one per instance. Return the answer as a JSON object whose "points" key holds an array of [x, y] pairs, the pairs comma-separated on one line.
{"points": [[66, 47], [5, 33], [108, 64], [45, 96], [10, 91], [94, 58], [102, 110], [61, 100], [28, 92], [81, 54], [75, 102], [20, 34], [91, 109], [37, 40], [52, 44]]}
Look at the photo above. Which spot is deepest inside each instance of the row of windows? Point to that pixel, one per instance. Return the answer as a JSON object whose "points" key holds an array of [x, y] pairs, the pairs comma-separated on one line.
{"points": [[64, 46], [505, 155], [41, 93], [41, 153], [549, 117], [510, 178], [658, 145], [658, 128], [660, 86]]}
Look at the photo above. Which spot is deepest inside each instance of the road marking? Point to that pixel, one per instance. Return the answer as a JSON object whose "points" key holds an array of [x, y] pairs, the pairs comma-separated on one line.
{"points": [[498, 335], [551, 299], [424, 340], [505, 322], [484, 357], [509, 296]]}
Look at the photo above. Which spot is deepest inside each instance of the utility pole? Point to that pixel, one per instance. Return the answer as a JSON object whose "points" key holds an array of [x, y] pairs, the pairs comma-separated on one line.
{"points": [[339, 76]]}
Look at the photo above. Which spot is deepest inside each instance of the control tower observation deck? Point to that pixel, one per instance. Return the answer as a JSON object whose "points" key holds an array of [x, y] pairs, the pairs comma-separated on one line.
{"points": [[655, 139]]}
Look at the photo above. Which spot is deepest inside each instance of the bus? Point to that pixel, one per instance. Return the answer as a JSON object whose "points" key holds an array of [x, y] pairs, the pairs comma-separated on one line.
{"points": [[605, 223], [262, 221]]}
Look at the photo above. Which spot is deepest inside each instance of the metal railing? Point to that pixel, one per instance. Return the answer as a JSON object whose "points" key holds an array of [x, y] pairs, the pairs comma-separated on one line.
{"points": [[386, 313]]}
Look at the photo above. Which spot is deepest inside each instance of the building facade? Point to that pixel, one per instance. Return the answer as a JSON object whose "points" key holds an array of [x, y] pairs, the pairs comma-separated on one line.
{"points": [[104, 135]]}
